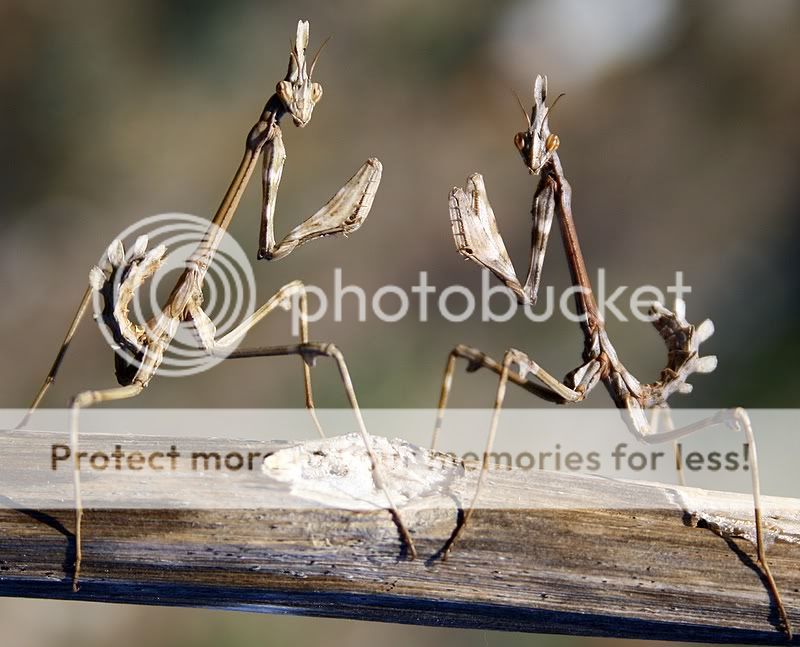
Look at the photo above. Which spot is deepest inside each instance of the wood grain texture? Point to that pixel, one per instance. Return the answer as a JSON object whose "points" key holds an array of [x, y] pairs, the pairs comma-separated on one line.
{"points": [[571, 554]]}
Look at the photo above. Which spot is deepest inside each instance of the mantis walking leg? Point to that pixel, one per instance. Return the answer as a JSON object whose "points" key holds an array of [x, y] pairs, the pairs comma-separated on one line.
{"points": [[315, 349], [281, 299], [83, 401], [661, 420], [51, 376], [476, 360], [551, 389], [739, 420]]}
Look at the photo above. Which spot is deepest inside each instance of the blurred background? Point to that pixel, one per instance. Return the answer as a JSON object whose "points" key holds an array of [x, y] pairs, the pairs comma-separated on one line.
{"points": [[679, 135]]}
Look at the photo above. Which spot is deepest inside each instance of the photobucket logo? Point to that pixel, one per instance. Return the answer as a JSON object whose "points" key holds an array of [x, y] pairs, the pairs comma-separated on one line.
{"points": [[494, 303], [135, 277]]}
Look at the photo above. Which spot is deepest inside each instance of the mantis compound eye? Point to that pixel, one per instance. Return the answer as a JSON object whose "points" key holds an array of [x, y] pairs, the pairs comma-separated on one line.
{"points": [[519, 141], [285, 92], [552, 143], [316, 92]]}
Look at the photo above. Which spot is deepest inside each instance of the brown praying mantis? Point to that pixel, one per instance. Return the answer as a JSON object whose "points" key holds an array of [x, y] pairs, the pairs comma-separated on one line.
{"points": [[477, 237], [121, 273]]}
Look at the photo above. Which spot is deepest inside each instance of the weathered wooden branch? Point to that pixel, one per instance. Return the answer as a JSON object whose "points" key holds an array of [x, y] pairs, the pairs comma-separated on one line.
{"points": [[573, 554]]}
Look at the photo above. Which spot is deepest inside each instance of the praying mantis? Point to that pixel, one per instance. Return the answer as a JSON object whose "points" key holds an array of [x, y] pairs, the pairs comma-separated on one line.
{"points": [[477, 238], [119, 274]]}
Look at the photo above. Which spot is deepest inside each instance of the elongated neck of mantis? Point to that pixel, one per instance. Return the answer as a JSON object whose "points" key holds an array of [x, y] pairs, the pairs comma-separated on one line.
{"points": [[584, 299], [204, 254], [256, 139]]}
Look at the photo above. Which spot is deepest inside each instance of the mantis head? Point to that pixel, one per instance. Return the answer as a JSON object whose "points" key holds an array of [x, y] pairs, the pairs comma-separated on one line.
{"points": [[537, 144], [297, 92]]}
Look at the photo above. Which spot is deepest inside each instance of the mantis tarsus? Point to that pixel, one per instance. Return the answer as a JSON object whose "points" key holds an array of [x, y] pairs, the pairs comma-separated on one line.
{"points": [[477, 237], [295, 96]]}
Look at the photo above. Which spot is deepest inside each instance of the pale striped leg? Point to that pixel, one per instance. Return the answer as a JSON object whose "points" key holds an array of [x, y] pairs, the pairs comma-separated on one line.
{"points": [[738, 419], [85, 400], [661, 420], [283, 297]]}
